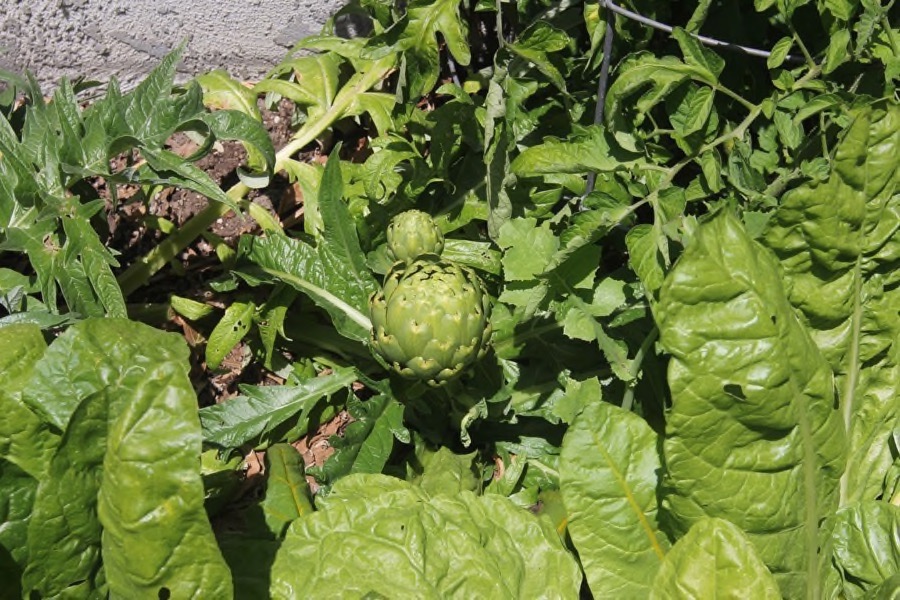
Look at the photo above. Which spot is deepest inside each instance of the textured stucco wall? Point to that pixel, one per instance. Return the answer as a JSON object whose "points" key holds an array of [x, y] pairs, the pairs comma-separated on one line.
{"points": [[126, 38]]}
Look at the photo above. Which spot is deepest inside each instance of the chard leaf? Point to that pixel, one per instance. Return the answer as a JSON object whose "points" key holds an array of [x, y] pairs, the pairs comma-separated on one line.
{"points": [[17, 491], [714, 560], [25, 439], [287, 493], [260, 410], [385, 537], [608, 476], [839, 244], [866, 544], [445, 472], [130, 447], [753, 435]]}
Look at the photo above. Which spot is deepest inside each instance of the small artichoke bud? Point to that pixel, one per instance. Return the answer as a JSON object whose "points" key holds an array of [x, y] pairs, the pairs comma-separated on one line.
{"points": [[431, 320], [412, 234]]}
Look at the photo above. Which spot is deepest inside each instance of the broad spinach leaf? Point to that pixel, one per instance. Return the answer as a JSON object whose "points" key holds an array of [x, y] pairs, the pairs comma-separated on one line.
{"points": [[839, 245], [609, 472], [754, 435], [123, 499], [714, 560], [385, 537]]}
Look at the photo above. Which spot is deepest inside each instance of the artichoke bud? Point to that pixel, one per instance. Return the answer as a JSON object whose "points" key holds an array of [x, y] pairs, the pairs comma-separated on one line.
{"points": [[430, 321], [412, 234]]}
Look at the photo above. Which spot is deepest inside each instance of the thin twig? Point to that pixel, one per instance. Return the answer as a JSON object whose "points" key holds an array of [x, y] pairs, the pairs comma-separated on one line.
{"points": [[601, 93], [701, 38]]}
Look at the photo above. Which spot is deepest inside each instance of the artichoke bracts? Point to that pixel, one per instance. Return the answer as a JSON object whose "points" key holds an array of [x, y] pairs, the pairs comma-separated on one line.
{"points": [[430, 321], [412, 234]]}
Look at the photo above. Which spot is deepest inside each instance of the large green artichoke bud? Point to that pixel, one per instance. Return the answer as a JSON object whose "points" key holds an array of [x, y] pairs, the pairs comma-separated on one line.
{"points": [[412, 234], [430, 321]]}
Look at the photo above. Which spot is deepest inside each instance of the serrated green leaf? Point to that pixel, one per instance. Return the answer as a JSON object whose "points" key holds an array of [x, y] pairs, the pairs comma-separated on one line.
{"points": [[314, 83], [662, 75], [478, 255], [527, 248], [327, 283], [711, 166], [146, 101], [167, 168], [415, 35], [259, 410], [644, 256], [593, 153], [271, 319], [235, 324], [779, 52], [836, 54], [378, 106], [236, 125], [222, 91], [367, 442], [693, 111], [535, 43], [695, 54]]}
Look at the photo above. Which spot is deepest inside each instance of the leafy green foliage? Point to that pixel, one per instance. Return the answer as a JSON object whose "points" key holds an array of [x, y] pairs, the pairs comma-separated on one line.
{"points": [[47, 211], [714, 559], [380, 535], [745, 372], [692, 375], [101, 520], [609, 475]]}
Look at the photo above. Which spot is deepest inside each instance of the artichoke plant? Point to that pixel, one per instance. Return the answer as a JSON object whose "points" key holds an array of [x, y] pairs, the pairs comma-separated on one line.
{"points": [[430, 320], [412, 234]]}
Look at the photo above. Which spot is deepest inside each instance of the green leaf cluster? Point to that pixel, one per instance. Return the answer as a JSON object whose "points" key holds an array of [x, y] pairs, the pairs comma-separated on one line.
{"points": [[692, 388]]}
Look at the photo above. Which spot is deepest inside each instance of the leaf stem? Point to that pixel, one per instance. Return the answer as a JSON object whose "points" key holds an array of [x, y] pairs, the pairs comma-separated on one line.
{"points": [[735, 96], [636, 365], [809, 59], [847, 405]]}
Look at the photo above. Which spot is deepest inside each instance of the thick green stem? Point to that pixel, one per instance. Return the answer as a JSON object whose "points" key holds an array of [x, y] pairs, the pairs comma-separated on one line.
{"points": [[145, 267]]}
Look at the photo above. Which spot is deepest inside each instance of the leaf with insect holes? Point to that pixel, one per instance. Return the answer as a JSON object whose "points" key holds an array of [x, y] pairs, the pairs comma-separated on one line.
{"points": [[229, 331]]}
